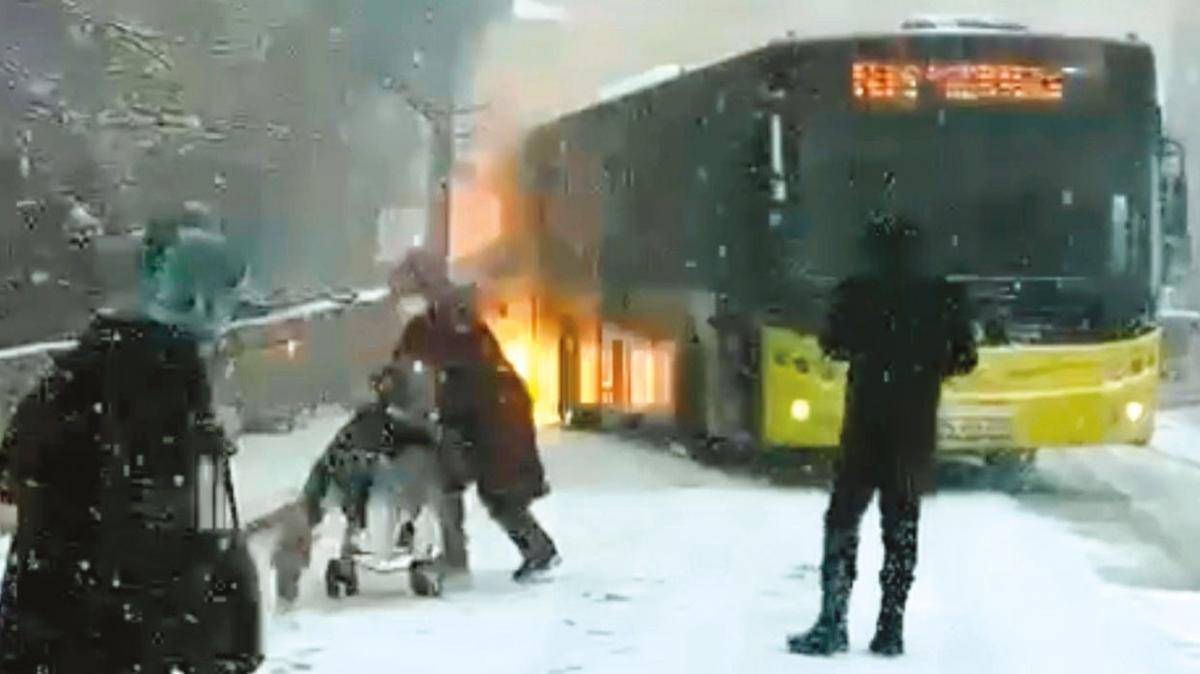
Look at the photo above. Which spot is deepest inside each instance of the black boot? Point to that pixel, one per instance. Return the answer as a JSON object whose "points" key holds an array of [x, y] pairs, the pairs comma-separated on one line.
{"points": [[889, 632], [537, 550], [896, 577], [826, 637], [829, 634], [538, 553]]}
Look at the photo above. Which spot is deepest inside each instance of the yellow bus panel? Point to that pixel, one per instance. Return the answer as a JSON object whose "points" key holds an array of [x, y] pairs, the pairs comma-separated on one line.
{"points": [[1020, 397]]}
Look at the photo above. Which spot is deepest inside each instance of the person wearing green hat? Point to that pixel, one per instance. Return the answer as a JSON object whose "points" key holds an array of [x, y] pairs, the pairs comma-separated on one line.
{"points": [[188, 277], [128, 555]]}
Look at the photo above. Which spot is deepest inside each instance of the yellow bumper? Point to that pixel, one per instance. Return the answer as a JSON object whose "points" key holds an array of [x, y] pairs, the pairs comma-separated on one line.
{"points": [[1020, 397]]}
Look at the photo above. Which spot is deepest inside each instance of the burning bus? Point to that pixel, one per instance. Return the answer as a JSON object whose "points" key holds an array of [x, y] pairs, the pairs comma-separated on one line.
{"points": [[670, 251]]}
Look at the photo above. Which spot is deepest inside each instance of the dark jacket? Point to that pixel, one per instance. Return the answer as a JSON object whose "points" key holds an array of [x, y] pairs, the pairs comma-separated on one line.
{"points": [[108, 569], [902, 336], [483, 399]]}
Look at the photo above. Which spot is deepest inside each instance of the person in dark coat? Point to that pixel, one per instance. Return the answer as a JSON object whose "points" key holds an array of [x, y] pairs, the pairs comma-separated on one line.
{"points": [[109, 570], [486, 408], [902, 332]]}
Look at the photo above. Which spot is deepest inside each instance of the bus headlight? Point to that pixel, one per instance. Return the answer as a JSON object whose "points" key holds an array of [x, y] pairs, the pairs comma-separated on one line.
{"points": [[292, 347], [1134, 411], [801, 410]]}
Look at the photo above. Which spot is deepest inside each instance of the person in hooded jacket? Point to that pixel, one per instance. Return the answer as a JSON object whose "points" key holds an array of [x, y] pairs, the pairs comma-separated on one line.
{"points": [[109, 570], [486, 409], [902, 332]]}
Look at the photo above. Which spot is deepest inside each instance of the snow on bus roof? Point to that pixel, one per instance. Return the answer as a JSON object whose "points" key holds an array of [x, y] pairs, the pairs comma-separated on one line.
{"points": [[923, 26], [960, 23], [644, 80], [660, 74]]}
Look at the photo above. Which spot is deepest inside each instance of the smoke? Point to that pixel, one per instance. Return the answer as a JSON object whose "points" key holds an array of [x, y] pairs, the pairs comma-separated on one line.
{"points": [[533, 71], [305, 124]]}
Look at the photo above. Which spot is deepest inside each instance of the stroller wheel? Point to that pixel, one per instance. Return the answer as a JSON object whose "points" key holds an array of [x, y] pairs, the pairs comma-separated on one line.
{"points": [[351, 582], [333, 583], [341, 578], [425, 579]]}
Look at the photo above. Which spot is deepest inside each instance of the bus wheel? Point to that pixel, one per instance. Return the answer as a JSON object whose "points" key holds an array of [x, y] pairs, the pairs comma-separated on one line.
{"points": [[722, 451]]}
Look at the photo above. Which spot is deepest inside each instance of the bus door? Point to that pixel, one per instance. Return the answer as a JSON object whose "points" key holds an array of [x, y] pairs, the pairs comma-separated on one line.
{"points": [[568, 372]]}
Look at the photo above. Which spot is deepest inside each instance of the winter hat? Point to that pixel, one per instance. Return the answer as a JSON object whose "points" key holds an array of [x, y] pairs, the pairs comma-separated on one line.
{"points": [[188, 277]]}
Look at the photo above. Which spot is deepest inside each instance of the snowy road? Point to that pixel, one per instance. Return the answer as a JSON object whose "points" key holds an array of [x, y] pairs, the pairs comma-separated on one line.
{"points": [[670, 567]]}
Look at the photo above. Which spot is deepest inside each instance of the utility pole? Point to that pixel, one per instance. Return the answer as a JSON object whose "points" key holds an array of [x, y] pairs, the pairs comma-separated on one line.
{"points": [[442, 128], [441, 165]]}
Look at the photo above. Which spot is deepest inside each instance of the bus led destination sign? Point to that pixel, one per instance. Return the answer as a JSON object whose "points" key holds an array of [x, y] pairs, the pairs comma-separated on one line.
{"points": [[958, 82]]}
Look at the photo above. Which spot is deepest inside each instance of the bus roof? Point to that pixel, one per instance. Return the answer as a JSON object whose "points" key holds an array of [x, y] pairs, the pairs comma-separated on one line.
{"points": [[665, 74], [962, 32]]}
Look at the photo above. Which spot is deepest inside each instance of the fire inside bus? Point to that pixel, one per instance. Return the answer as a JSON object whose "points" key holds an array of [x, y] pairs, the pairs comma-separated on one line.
{"points": [[672, 252]]}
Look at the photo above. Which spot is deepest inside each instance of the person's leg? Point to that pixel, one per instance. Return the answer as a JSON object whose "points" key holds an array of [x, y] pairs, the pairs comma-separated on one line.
{"points": [[357, 492], [451, 516], [511, 512], [900, 509], [456, 475], [852, 490]]}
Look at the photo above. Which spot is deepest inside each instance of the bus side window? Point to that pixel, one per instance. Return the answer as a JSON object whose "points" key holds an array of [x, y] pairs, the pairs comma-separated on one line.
{"points": [[778, 170], [793, 142], [783, 146], [1120, 240]]}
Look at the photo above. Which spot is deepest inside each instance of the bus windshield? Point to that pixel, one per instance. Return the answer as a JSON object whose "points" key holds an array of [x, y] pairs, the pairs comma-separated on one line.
{"points": [[997, 193], [1022, 203]]}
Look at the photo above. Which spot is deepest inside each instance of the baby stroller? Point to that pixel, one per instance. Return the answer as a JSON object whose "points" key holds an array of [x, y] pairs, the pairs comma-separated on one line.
{"points": [[386, 454]]}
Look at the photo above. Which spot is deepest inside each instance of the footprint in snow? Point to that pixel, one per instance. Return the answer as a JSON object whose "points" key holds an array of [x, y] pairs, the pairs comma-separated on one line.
{"points": [[802, 572]]}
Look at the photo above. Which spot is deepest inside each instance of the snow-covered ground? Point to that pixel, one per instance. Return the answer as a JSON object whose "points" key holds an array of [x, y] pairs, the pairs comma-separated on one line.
{"points": [[269, 470], [1138, 509], [670, 567]]}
